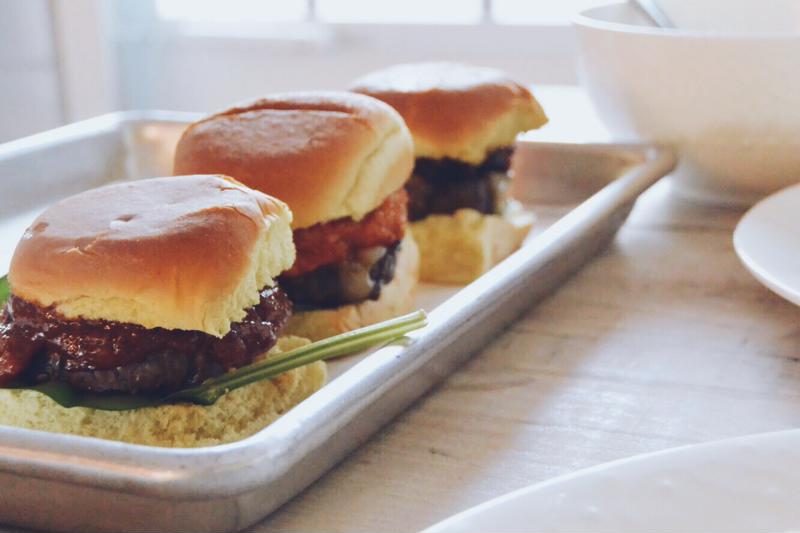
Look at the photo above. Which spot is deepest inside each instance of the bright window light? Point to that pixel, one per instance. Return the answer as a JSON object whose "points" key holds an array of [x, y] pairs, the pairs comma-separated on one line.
{"points": [[400, 12], [521, 12], [538, 11], [232, 10]]}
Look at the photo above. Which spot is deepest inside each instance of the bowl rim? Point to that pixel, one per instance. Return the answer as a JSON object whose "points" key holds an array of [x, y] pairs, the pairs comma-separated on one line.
{"points": [[584, 18]]}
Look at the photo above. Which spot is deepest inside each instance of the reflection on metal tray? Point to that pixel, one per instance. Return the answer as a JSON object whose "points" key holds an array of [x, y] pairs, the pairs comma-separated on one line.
{"points": [[581, 194]]}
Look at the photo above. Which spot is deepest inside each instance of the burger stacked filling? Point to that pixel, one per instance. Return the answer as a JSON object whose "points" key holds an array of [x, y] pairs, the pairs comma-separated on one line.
{"points": [[442, 186], [38, 345], [344, 261]]}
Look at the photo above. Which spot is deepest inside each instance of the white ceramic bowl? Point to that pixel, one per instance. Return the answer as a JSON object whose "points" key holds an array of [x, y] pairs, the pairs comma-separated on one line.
{"points": [[729, 102]]}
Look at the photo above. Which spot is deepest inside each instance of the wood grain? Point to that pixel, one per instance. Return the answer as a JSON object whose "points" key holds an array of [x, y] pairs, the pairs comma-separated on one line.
{"points": [[664, 340]]}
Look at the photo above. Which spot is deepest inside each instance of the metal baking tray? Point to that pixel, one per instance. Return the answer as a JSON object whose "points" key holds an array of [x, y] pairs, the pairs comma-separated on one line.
{"points": [[582, 194]]}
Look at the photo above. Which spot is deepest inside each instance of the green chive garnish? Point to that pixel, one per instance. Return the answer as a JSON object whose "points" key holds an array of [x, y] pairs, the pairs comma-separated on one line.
{"points": [[345, 344]]}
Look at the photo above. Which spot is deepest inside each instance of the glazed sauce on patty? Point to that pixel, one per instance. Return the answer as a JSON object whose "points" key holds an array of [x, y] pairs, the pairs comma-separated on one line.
{"points": [[37, 344]]}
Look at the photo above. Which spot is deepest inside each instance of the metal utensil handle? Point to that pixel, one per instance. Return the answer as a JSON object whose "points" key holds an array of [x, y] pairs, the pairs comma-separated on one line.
{"points": [[651, 10]]}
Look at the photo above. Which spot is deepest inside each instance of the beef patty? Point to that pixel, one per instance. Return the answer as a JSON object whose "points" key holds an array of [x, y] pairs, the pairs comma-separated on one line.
{"points": [[37, 345], [354, 280], [442, 186]]}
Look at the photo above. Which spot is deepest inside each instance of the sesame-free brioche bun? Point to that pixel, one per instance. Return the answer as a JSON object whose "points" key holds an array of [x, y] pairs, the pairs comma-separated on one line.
{"points": [[459, 248], [236, 415], [327, 154], [397, 298], [455, 110], [189, 252]]}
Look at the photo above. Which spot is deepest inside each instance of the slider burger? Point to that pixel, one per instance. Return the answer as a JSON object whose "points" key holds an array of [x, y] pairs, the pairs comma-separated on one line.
{"points": [[339, 160], [464, 121], [149, 287]]}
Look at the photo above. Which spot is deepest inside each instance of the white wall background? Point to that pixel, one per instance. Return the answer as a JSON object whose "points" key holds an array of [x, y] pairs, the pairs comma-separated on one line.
{"points": [[206, 73], [64, 60], [196, 64]]}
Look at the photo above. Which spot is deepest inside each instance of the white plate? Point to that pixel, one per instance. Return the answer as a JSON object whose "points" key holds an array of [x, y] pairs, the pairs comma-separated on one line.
{"points": [[744, 484], [767, 240]]}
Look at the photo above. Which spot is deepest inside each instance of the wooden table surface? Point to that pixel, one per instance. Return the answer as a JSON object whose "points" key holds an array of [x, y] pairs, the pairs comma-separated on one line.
{"points": [[664, 340]]}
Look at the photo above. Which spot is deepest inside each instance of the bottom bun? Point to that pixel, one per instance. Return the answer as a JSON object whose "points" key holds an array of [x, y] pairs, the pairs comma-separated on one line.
{"points": [[397, 298], [236, 415], [458, 248]]}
